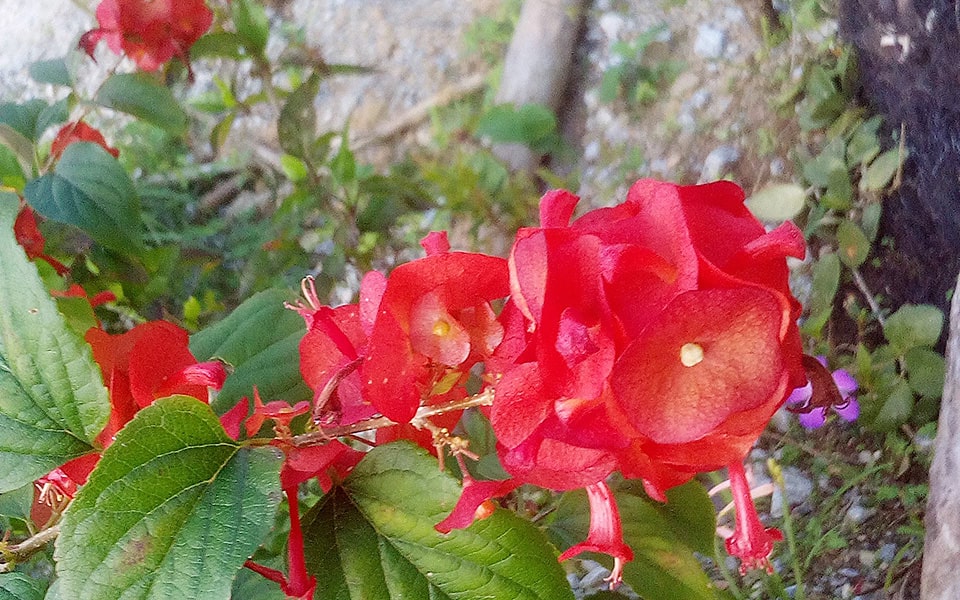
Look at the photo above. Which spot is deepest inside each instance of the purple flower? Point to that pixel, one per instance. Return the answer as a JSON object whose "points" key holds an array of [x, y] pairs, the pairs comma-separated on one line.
{"points": [[812, 415]]}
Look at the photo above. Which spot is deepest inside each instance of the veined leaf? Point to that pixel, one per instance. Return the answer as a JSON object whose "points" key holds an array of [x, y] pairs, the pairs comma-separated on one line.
{"points": [[172, 510], [261, 340], [89, 189], [142, 96], [52, 401], [374, 539], [17, 586]]}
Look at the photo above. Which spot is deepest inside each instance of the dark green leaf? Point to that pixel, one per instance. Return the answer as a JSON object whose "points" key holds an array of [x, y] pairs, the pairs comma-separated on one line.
{"points": [[52, 71], [23, 117], [52, 401], [839, 192], [261, 340], [663, 542], [55, 114], [251, 22], [144, 97], [16, 503], [89, 189], [374, 539], [925, 371], [17, 586], [895, 408], [853, 244], [914, 325], [172, 510], [864, 145], [297, 124]]}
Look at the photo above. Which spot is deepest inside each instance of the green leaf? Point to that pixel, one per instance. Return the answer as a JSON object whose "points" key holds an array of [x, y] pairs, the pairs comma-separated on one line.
{"points": [[825, 281], [17, 586], [896, 408], [914, 325], [220, 44], [926, 371], [172, 510], [12, 166], [864, 145], [374, 539], [52, 71], [777, 202], [881, 170], [296, 127], [663, 542], [17, 503], [252, 24], [839, 192], [23, 117], [261, 340], [144, 97], [819, 170], [89, 189], [854, 245], [530, 124], [19, 146], [52, 401]]}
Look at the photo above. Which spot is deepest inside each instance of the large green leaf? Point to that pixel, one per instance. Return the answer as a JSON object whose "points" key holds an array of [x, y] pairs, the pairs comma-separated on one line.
{"points": [[172, 510], [374, 539], [52, 401], [663, 538], [17, 586], [144, 97], [89, 189], [296, 127], [261, 340]]}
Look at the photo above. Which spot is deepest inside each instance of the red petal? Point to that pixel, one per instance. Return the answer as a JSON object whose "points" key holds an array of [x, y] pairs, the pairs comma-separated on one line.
{"points": [[710, 355], [435, 242], [474, 494], [556, 208], [606, 532], [752, 543]]}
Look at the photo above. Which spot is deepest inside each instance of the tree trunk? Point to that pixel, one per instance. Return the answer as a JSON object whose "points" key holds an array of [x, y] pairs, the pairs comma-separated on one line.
{"points": [[941, 554]]}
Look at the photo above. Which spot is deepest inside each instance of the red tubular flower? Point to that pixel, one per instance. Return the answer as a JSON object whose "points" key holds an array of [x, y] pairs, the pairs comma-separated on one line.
{"points": [[150, 32], [78, 132], [298, 584], [150, 361], [752, 543], [606, 532]]}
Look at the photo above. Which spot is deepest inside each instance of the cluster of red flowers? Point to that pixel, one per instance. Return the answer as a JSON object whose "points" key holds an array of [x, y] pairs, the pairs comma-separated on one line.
{"points": [[655, 338]]}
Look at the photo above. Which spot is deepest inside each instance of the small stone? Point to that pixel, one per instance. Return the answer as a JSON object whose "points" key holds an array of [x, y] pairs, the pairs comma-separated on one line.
{"points": [[848, 572], [858, 514], [888, 552], [718, 161], [798, 487], [710, 41]]}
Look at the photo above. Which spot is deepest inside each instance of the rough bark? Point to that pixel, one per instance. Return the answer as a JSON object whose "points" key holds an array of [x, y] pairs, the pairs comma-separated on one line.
{"points": [[537, 65], [941, 555], [909, 56]]}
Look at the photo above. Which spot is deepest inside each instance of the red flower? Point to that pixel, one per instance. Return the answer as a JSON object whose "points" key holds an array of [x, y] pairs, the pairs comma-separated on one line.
{"points": [[78, 132], [150, 32], [606, 532], [411, 337], [752, 543], [151, 361], [658, 338], [28, 235]]}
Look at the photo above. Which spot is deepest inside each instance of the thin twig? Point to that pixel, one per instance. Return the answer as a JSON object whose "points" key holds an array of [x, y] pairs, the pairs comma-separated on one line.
{"points": [[862, 286], [313, 438], [18, 553]]}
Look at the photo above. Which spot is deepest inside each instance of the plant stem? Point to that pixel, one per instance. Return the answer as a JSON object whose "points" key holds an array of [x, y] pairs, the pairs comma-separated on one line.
{"points": [[777, 474], [321, 436], [18, 553]]}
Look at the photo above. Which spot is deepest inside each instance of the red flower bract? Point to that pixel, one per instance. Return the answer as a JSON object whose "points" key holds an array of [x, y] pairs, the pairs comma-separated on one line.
{"points": [[78, 132], [150, 32], [658, 337]]}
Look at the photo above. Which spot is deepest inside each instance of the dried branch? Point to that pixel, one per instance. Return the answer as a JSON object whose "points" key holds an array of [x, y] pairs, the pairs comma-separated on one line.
{"points": [[18, 553]]}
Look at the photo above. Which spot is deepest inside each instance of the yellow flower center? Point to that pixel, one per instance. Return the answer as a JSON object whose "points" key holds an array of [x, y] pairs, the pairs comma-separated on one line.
{"points": [[691, 354], [441, 328]]}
